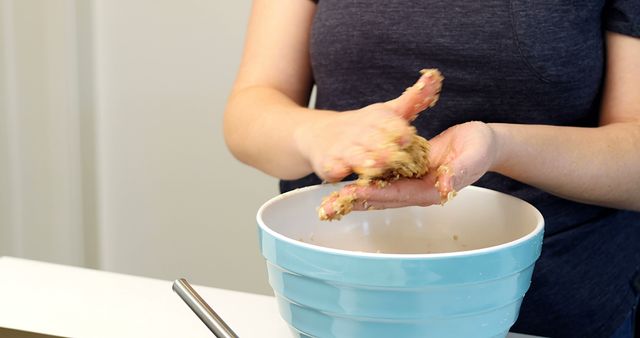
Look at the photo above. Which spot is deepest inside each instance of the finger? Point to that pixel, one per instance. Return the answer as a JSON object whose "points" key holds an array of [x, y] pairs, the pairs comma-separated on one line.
{"points": [[459, 171], [335, 171], [326, 211], [447, 161], [397, 132], [341, 161], [338, 204], [422, 95], [401, 193], [445, 183], [373, 156], [364, 160], [464, 161]]}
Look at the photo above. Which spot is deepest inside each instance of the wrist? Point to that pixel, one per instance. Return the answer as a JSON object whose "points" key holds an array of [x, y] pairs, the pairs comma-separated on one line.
{"points": [[500, 141], [307, 132]]}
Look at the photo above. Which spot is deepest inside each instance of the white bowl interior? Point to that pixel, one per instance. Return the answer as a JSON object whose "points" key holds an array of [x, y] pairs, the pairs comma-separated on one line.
{"points": [[476, 218]]}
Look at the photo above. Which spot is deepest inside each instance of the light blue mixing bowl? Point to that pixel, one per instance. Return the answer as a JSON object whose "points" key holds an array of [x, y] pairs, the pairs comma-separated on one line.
{"points": [[459, 270]]}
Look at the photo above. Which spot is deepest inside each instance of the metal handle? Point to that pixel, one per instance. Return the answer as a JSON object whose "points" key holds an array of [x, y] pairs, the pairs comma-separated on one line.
{"points": [[209, 317]]}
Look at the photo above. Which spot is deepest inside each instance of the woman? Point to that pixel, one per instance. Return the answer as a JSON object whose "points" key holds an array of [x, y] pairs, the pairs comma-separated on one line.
{"points": [[553, 88]]}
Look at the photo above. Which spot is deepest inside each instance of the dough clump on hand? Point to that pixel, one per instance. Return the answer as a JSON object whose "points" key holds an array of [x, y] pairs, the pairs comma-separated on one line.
{"points": [[408, 161]]}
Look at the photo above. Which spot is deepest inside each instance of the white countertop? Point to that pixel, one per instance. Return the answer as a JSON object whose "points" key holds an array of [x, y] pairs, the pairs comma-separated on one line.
{"points": [[75, 302]]}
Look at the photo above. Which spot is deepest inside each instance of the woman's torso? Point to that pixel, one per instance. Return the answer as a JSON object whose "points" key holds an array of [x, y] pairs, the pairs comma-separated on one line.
{"points": [[511, 61]]}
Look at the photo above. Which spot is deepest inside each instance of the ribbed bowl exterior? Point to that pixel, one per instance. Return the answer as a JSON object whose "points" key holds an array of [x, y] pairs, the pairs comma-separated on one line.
{"points": [[335, 293], [328, 295]]}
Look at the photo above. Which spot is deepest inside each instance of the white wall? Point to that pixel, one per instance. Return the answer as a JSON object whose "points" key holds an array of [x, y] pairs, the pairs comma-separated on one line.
{"points": [[40, 163], [173, 202], [136, 171]]}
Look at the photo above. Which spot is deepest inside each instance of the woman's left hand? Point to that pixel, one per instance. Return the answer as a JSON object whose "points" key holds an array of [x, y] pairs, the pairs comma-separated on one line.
{"points": [[459, 156]]}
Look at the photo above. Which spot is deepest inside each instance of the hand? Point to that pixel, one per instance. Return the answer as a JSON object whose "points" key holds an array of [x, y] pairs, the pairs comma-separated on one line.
{"points": [[459, 157], [352, 141]]}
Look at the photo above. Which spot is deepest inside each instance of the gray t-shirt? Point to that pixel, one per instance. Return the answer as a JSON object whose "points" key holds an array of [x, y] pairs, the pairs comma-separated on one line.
{"points": [[512, 61]]}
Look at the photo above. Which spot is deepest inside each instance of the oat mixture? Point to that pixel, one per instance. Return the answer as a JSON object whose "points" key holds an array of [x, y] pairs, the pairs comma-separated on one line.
{"points": [[410, 161]]}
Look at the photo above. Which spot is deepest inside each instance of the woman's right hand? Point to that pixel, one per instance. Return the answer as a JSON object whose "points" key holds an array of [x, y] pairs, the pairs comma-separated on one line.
{"points": [[354, 141], [339, 144]]}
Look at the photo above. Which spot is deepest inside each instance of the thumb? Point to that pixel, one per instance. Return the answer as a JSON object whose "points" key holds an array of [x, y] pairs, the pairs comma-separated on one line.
{"points": [[422, 95]]}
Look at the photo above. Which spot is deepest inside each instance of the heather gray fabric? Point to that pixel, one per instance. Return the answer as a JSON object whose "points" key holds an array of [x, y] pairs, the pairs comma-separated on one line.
{"points": [[513, 61]]}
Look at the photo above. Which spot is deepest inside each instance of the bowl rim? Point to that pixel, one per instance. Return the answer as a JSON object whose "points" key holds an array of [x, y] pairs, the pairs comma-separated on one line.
{"points": [[375, 255]]}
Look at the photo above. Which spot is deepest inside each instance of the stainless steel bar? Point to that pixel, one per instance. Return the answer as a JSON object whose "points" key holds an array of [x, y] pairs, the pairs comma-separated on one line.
{"points": [[209, 317]]}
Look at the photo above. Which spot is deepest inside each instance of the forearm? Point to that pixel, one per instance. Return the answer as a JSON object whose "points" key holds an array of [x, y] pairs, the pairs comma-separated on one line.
{"points": [[260, 125], [591, 165]]}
